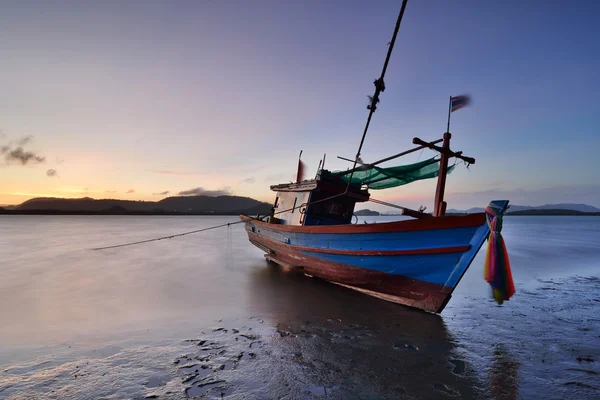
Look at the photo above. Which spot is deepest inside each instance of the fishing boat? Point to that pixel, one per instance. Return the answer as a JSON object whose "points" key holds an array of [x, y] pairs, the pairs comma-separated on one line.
{"points": [[417, 262]]}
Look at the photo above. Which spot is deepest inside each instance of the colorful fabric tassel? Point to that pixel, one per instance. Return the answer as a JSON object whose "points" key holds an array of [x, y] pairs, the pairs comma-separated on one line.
{"points": [[497, 265]]}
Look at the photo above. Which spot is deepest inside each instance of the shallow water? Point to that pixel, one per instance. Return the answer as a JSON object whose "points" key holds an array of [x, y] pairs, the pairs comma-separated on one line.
{"points": [[205, 315]]}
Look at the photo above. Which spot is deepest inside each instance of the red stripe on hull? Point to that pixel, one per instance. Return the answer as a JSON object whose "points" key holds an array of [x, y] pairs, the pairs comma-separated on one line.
{"points": [[423, 224], [439, 250], [400, 289]]}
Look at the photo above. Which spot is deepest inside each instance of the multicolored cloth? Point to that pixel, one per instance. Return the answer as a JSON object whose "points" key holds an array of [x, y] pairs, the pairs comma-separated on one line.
{"points": [[497, 265]]}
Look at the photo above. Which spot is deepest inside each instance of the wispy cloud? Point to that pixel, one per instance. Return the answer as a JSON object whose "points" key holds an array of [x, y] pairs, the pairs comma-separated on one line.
{"points": [[22, 156], [130, 191], [18, 154], [51, 172], [110, 191], [24, 140], [249, 180], [200, 191], [161, 193]]}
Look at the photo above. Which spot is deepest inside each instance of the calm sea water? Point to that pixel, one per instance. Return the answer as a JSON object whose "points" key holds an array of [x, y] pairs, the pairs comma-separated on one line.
{"points": [[205, 316]]}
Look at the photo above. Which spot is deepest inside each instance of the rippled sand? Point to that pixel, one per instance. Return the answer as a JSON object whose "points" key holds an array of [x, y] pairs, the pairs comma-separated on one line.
{"points": [[548, 351]]}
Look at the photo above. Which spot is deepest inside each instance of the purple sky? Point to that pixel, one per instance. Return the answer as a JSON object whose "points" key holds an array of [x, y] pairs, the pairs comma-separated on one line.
{"points": [[133, 99]]}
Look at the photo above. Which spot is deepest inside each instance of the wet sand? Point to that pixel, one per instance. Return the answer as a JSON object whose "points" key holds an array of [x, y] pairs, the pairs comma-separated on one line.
{"points": [[336, 344]]}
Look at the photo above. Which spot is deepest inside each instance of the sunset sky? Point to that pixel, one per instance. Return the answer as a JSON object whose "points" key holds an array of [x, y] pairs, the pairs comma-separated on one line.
{"points": [[146, 99]]}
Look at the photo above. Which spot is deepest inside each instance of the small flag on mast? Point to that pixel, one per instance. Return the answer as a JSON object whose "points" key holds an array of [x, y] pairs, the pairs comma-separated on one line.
{"points": [[458, 102]]}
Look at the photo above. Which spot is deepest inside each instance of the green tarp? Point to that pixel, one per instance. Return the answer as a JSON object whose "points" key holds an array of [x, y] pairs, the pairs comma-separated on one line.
{"points": [[384, 178]]}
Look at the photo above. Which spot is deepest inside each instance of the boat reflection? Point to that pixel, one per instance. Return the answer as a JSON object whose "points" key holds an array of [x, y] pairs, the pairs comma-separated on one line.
{"points": [[338, 343], [503, 375]]}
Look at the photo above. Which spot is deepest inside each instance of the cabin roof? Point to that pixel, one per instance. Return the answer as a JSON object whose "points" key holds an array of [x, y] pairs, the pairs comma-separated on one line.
{"points": [[304, 186], [332, 186]]}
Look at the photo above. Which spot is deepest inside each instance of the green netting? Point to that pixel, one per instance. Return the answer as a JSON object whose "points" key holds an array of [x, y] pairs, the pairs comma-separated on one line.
{"points": [[384, 178]]}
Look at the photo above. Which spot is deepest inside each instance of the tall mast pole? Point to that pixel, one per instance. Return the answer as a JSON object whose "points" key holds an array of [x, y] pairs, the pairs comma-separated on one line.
{"points": [[379, 87], [439, 208]]}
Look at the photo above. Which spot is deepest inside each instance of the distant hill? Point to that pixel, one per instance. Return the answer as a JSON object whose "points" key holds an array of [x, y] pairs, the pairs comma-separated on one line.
{"points": [[568, 206], [583, 208], [552, 212], [170, 205], [229, 205], [366, 212], [83, 204]]}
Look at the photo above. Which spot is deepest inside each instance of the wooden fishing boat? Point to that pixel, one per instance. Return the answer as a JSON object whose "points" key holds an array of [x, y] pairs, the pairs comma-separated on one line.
{"points": [[417, 262]]}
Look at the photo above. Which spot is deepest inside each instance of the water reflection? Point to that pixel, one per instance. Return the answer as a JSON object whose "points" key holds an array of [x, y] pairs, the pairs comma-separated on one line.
{"points": [[342, 344], [503, 374]]}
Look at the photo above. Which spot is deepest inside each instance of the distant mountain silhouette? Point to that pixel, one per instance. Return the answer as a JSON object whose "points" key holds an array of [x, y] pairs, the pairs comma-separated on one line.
{"points": [[516, 208], [179, 204], [366, 212], [224, 205], [549, 211], [568, 206]]}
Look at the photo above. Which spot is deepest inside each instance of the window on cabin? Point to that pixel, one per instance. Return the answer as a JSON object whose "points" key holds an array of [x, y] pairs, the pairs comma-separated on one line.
{"points": [[338, 209]]}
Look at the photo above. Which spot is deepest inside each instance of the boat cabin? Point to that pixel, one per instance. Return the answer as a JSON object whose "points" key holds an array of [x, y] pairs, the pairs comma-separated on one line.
{"points": [[329, 199], [314, 202]]}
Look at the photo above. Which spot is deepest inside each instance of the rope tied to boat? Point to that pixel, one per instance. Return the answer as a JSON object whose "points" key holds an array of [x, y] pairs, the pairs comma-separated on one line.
{"points": [[497, 264]]}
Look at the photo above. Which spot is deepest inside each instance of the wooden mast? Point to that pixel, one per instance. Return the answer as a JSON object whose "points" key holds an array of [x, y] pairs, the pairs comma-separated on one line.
{"points": [[445, 154], [440, 204]]}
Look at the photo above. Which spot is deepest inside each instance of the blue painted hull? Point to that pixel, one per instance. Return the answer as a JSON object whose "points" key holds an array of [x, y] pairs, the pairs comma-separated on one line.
{"points": [[418, 264]]}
